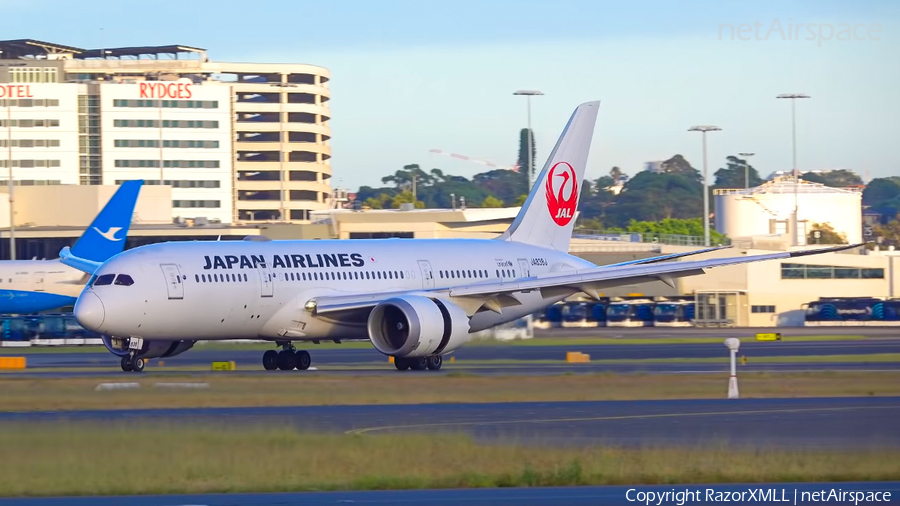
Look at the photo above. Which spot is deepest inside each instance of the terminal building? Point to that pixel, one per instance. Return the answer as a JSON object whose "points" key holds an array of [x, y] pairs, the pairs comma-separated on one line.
{"points": [[237, 142]]}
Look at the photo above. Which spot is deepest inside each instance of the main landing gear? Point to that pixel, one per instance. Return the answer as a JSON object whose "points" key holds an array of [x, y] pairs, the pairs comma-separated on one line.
{"points": [[133, 364], [287, 359], [432, 363]]}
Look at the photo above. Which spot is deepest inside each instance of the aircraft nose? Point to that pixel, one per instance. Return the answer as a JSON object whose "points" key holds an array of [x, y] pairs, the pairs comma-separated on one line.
{"points": [[89, 311]]}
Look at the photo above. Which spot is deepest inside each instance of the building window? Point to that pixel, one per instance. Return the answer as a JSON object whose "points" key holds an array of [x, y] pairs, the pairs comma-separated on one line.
{"points": [[30, 102], [803, 271], [30, 123], [150, 123], [762, 309], [30, 143], [175, 164], [168, 104], [30, 164], [34, 75], [196, 203], [180, 183]]}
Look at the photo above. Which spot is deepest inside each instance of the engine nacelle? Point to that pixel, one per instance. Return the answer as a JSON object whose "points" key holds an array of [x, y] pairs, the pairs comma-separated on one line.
{"points": [[417, 326], [120, 346]]}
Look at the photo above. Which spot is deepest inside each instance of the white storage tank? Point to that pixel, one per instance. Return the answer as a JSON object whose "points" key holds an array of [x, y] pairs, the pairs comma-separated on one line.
{"points": [[767, 209]]}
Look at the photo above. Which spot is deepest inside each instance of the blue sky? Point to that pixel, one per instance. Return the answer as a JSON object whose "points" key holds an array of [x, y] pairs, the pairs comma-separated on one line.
{"points": [[408, 76]]}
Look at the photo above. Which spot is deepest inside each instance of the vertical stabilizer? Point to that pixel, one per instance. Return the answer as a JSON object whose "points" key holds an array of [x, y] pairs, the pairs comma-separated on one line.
{"points": [[548, 215], [105, 237]]}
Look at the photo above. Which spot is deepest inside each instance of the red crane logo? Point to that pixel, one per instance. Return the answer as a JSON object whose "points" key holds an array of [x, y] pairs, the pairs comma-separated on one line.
{"points": [[562, 208]]}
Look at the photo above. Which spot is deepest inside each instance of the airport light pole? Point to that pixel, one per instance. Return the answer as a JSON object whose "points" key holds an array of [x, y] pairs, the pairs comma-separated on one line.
{"points": [[795, 218], [528, 94], [703, 129], [746, 168], [12, 186]]}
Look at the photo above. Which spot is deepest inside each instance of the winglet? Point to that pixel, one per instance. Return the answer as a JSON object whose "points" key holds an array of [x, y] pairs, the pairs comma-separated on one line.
{"points": [[105, 236], [806, 252]]}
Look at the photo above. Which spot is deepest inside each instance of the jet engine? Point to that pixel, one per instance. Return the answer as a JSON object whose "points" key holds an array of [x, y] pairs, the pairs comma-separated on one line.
{"points": [[120, 346], [417, 326]]}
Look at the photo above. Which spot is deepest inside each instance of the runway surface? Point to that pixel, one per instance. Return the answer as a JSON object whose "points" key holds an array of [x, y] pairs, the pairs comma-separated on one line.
{"points": [[803, 423], [618, 358], [550, 496]]}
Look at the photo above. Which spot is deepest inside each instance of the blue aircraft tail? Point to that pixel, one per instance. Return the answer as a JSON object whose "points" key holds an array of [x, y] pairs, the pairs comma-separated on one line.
{"points": [[105, 236]]}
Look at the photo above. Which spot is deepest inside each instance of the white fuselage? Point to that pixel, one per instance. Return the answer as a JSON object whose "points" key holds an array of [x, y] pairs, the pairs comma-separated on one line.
{"points": [[41, 276], [259, 289]]}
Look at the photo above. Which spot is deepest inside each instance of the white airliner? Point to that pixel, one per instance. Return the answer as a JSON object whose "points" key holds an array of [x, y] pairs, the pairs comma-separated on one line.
{"points": [[415, 300]]}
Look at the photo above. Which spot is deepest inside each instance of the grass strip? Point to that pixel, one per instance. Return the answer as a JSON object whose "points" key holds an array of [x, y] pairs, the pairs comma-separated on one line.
{"points": [[303, 389], [63, 459]]}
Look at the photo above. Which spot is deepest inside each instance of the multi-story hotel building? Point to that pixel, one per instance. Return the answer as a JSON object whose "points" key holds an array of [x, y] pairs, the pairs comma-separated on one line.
{"points": [[238, 142]]}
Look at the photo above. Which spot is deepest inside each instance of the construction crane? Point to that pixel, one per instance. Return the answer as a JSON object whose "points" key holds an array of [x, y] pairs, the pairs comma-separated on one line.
{"points": [[514, 168]]}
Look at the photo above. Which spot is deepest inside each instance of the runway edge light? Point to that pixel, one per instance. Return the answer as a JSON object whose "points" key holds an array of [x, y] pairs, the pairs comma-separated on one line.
{"points": [[733, 344]]}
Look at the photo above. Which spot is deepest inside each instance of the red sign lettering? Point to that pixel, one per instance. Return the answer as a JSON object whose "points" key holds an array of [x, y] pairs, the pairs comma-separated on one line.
{"points": [[15, 91], [166, 90]]}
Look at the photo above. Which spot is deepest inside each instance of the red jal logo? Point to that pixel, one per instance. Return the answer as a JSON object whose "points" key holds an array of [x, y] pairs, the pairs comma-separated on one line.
{"points": [[562, 208]]}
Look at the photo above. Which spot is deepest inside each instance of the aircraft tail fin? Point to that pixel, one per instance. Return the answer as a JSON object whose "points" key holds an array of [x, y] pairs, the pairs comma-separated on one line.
{"points": [[105, 236], [548, 215]]}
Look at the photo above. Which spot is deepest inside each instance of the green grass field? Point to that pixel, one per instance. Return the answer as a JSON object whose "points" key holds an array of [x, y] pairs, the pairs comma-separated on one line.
{"points": [[302, 389], [76, 459]]}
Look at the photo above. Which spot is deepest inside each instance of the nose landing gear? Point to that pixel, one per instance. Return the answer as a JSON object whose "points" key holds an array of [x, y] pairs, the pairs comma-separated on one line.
{"points": [[133, 364], [287, 359]]}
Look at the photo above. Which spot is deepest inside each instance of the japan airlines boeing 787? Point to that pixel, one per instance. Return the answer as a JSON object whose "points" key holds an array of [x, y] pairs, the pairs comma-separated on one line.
{"points": [[415, 300]]}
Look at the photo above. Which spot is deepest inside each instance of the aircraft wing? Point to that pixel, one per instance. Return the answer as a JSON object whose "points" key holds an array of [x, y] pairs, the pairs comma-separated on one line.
{"points": [[663, 258], [589, 281]]}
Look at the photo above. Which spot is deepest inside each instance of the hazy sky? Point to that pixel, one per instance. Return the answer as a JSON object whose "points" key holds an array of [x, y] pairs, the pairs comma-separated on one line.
{"points": [[408, 76]]}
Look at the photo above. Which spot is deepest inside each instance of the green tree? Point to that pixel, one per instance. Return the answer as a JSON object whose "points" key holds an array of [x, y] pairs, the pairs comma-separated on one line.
{"points": [[826, 235], [523, 154], [734, 174], [520, 200], [674, 226], [406, 197], [880, 190], [506, 185], [491, 201], [588, 224], [834, 178], [889, 233], [654, 197], [616, 174], [679, 166]]}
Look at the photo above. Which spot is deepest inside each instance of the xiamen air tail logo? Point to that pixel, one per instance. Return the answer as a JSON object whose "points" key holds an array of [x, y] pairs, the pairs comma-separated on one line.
{"points": [[110, 234], [562, 193]]}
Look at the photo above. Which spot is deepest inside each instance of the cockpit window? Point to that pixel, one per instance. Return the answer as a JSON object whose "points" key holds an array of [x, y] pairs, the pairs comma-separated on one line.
{"points": [[124, 280], [105, 279]]}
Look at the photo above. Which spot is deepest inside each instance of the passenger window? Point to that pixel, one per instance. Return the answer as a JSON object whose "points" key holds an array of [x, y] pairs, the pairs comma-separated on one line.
{"points": [[124, 280], [105, 279], [196, 278]]}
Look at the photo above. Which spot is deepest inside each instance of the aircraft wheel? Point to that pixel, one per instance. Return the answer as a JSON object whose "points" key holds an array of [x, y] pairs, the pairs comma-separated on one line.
{"points": [[270, 360], [137, 364], [435, 362], [126, 363], [302, 360], [418, 364], [286, 360], [401, 364]]}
